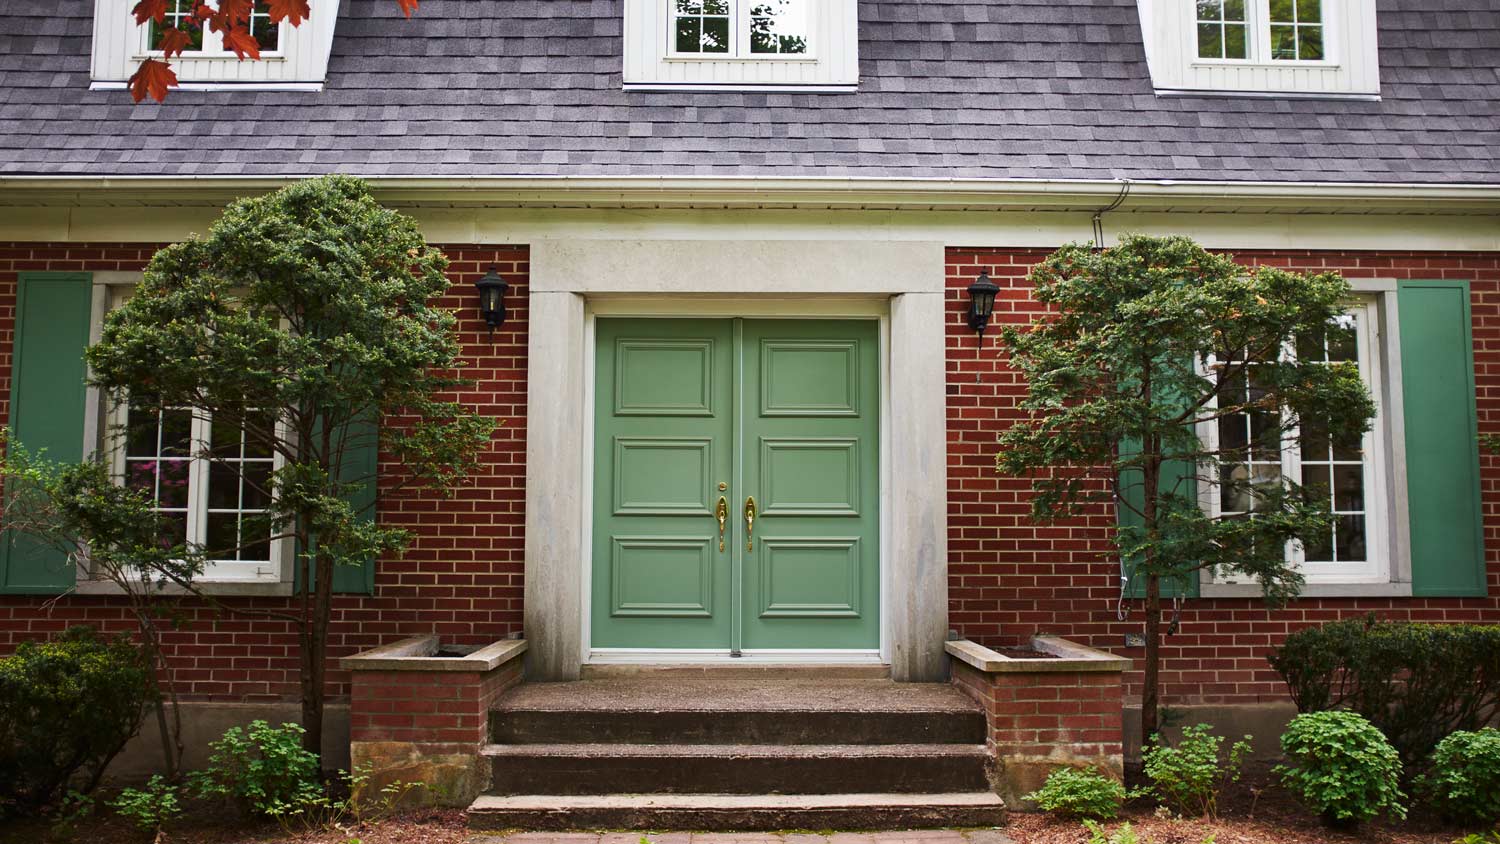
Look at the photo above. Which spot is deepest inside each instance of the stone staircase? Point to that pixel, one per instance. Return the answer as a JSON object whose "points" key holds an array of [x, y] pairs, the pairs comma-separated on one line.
{"points": [[792, 750]]}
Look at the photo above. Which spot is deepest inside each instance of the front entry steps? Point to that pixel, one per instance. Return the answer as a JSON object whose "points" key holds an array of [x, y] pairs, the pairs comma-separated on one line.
{"points": [[736, 753]]}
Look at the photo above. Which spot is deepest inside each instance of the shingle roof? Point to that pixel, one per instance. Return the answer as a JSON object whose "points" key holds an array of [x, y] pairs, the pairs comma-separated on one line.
{"points": [[949, 88]]}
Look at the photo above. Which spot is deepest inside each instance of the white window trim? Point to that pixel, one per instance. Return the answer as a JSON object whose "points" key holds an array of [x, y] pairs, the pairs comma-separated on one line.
{"points": [[213, 45], [1258, 38], [1390, 537], [739, 33], [109, 289]]}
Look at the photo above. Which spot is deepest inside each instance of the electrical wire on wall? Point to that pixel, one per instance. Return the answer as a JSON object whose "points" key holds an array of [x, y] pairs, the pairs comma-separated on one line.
{"points": [[1099, 215]]}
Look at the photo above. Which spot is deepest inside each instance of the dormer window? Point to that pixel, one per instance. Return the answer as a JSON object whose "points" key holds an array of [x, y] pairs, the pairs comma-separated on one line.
{"points": [[207, 44], [761, 44], [1297, 48], [1261, 30]]}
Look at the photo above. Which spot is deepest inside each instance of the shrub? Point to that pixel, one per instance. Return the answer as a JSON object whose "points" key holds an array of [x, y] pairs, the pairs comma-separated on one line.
{"points": [[1080, 793], [1464, 783], [150, 809], [1190, 775], [1415, 682], [67, 707], [1342, 768], [262, 769]]}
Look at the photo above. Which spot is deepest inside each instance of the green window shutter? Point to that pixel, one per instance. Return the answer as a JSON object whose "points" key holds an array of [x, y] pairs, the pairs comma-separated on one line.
{"points": [[359, 465], [48, 406], [1133, 488], [1442, 439]]}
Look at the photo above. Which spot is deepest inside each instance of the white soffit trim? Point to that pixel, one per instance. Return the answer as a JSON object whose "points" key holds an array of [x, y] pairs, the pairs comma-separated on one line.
{"points": [[781, 192]]}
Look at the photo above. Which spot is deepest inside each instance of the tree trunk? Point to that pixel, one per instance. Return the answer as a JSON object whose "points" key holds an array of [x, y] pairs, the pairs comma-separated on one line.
{"points": [[1151, 687], [315, 656]]}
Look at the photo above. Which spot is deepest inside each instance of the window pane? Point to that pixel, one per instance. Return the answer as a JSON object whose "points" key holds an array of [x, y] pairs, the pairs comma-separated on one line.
{"points": [[223, 535], [1284, 42], [267, 34], [1318, 549], [172, 483], [1315, 480], [1236, 46], [1210, 41], [779, 26], [1309, 43], [224, 486], [176, 432], [689, 34], [716, 7], [1234, 10], [1349, 488], [1350, 539], [716, 35], [1283, 11], [256, 483], [1210, 10], [1309, 11]]}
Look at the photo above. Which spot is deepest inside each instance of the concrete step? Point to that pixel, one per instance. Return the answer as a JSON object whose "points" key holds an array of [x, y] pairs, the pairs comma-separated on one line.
{"points": [[729, 812], [738, 670], [582, 769], [542, 726]]}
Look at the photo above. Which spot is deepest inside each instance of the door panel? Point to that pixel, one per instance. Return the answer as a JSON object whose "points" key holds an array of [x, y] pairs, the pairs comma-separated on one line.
{"points": [[664, 408], [782, 410], [811, 459]]}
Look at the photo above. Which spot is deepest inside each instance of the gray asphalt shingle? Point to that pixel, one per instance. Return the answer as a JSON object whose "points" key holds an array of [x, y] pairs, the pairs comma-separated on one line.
{"points": [[949, 88]]}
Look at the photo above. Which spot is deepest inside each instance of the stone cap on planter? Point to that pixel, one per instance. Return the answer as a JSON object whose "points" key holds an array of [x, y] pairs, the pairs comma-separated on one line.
{"points": [[422, 653], [1065, 656]]}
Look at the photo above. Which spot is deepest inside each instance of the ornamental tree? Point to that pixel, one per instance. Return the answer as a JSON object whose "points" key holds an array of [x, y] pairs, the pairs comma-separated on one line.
{"points": [[1146, 346], [300, 320], [230, 19]]}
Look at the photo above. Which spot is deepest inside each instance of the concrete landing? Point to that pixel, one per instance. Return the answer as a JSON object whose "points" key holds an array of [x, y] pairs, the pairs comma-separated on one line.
{"points": [[645, 693]]}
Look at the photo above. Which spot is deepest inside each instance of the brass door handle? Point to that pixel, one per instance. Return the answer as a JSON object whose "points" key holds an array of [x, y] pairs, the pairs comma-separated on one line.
{"points": [[722, 514], [750, 523]]}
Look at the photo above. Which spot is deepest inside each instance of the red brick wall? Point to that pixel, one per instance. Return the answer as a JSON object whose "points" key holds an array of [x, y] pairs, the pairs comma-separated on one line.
{"points": [[461, 577], [1010, 579]]}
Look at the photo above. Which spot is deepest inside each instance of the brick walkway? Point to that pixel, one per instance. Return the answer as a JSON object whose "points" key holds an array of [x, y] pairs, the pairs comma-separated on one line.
{"points": [[925, 836]]}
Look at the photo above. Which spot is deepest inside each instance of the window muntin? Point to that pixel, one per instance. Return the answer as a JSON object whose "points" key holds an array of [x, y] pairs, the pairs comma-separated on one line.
{"points": [[1222, 29], [1280, 32], [1346, 475], [740, 28], [209, 44]]}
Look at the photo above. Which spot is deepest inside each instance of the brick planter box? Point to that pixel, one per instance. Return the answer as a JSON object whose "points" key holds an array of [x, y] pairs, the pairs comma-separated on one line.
{"points": [[1046, 713], [420, 714]]}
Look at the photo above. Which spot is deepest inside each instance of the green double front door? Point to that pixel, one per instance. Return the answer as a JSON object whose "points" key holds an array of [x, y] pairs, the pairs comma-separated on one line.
{"points": [[736, 485]]}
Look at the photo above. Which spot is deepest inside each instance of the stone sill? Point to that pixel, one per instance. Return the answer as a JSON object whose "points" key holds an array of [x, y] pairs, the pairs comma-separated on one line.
{"points": [[419, 653], [1068, 657]]}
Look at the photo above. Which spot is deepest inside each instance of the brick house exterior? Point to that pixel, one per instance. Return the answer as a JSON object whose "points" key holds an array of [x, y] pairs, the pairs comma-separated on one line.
{"points": [[888, 198]]}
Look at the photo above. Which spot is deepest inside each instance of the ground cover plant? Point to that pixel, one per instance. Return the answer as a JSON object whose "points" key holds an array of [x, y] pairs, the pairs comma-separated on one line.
{"points": [[1081, 793], [1189, 775], [1464, 780], [1342, 768]]}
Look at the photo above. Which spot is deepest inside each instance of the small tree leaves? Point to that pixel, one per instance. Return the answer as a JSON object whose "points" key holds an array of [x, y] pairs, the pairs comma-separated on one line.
{"points": [[408, 7], [152, 79]]}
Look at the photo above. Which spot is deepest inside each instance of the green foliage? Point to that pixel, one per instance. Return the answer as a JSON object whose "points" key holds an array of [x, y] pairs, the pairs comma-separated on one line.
{"points": [[262, 769], [1080, 793], [1189, 776], [149, 809], [1492, 837], [321, 810], [1342, 767], [67, 707], [1116, 390], [1415, 682], [1464, 783]]}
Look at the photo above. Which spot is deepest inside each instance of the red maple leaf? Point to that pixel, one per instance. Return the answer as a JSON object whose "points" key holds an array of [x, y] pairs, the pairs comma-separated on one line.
{"points": [[242, 43], [150, 10], [231, 14], [152, 79], [407, 6], [289, 10], [174, 41]]}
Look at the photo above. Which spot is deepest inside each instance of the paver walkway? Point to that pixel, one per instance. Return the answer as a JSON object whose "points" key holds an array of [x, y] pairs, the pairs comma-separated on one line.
{"points": [[921, 836]]}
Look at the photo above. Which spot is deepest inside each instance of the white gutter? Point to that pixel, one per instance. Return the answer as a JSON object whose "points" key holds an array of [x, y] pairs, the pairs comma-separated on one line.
{"points": [[889, 192]]}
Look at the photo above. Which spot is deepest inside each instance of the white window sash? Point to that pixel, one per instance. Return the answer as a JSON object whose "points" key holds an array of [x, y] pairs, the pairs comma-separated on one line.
{"points": [[1258, 37], [739, 37]]}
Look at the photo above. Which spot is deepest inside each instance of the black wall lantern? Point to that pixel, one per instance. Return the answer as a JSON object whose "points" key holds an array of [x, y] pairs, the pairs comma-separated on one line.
{"points": [[982, 303], [492, 300]]}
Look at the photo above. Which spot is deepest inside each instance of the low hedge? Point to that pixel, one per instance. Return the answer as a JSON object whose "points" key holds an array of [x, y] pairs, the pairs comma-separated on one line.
{"points": [[1415, 682]]}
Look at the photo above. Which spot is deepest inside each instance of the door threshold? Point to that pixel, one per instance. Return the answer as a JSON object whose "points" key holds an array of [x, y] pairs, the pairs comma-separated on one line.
{"points": [[649, 656]]}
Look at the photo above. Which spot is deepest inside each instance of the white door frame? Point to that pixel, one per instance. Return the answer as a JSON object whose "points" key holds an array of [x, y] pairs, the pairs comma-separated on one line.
{"points": [[658, 307], [572, 279]]}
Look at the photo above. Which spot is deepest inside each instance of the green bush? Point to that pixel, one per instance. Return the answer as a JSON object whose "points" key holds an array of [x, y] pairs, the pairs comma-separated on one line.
{"points": [[1415, 682], [1342, 768], [1189, 776], [67, 707], [150, 809], [262, 769], [1080, 793], [1464, 783]]}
